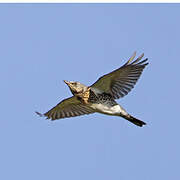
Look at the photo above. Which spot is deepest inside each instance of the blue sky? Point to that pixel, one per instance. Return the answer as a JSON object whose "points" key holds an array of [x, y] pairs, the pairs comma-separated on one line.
{"points": [[43, 44]]}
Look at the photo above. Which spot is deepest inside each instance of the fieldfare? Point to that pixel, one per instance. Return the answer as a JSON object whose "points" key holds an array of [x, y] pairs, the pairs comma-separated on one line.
{"points": [[100, 97]]}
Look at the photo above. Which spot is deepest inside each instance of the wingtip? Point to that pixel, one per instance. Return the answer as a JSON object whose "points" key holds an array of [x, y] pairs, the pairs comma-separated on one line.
{"points": [[144, 62], [132, 57], [142, 55], [38, 113], [138, 59]]}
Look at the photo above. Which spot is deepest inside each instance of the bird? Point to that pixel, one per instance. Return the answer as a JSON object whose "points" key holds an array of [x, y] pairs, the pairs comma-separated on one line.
{"points": [[101, 96]]}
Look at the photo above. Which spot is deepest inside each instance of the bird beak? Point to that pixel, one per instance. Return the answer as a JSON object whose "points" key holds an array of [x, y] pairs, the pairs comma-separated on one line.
{"points": [[67, 82]]}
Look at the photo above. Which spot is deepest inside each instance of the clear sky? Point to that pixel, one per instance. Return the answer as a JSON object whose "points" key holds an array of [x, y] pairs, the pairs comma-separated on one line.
{"points": [[43, 44]]}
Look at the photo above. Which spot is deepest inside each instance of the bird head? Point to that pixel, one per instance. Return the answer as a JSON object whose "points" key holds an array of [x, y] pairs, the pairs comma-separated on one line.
{"points": [[76, 87]]}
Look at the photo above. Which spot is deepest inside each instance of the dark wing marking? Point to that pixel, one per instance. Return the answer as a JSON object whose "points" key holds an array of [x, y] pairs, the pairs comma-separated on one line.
{"points": [[120, 82], [69, 107]]}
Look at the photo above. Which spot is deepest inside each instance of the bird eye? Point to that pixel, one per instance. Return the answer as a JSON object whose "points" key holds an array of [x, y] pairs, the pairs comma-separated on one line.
{"points": [[74, 83]]}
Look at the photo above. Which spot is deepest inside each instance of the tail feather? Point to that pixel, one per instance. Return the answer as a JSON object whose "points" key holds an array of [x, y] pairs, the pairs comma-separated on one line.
{"points": [[135, 121]]}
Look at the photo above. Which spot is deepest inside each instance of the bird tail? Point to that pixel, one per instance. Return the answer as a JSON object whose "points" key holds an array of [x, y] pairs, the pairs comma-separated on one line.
{"points": [[134, 120]]}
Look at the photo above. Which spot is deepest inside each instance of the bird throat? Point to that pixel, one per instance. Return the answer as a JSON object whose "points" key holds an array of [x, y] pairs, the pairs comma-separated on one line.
{"points": [[83, 96]]}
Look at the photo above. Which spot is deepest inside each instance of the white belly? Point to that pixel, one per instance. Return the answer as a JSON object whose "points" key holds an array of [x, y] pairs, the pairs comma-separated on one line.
{"points": [[114, 110]]}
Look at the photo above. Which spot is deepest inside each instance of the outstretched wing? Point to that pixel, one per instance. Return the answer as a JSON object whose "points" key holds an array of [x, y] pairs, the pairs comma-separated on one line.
{"points": [[120, 82], [69, 107]]}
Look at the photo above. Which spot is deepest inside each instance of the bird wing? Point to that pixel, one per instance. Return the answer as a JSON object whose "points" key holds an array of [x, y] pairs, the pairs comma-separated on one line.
{"points": [[69, 107], [120, 82]]}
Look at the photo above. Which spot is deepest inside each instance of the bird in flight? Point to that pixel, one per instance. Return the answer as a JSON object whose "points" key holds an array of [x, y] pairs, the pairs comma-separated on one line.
{"points": [[100, 96]]}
